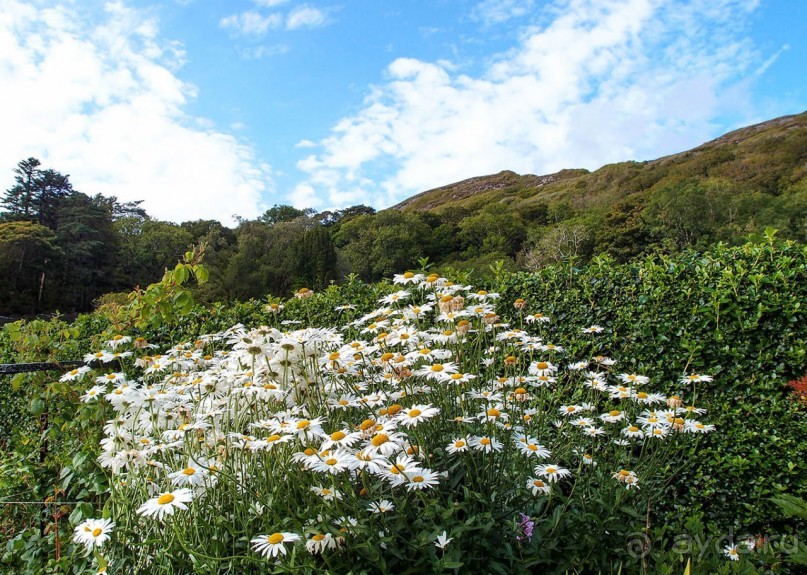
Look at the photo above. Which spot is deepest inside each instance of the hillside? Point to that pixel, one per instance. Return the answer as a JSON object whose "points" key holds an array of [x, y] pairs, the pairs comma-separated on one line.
{"points": [[768, 158]]}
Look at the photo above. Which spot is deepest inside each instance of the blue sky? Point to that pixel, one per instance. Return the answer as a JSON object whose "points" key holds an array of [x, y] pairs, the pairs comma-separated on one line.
{"points": [[215, 108]]}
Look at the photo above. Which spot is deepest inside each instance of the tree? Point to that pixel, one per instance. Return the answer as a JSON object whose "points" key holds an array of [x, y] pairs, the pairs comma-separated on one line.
{"points": [[37, 194], [316, 259], [26, 250], [18, 200], [284, 213]]}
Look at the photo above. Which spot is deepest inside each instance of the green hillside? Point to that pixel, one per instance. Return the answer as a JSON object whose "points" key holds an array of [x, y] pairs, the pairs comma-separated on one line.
{"points": [[766, 158]]}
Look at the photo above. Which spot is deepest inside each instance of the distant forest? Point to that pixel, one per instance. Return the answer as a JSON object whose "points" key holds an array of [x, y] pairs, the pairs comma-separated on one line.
{"points": [[61, 249]]}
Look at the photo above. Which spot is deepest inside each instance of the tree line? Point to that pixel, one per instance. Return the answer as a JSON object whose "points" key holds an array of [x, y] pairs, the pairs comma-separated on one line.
{"points": [[61, 249]]}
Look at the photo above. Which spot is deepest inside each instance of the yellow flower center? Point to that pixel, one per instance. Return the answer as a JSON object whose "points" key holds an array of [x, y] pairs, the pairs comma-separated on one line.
{"points": [[614, 413], [532, 447], [303, 424], [551, 470], [188, 471], [633, 429], [484, 441], [275, 538], [437, 367], [414, 413], [641, 395], [418, 479], [272, 438], [456, 376], [538, 483], [521, 391], [366, 424], [459, 444], [165, 499], [309, 452], [379, 439], [97, 531], [331, 461], [542, 365], [493, 412], [394, 408], [318, 537]]}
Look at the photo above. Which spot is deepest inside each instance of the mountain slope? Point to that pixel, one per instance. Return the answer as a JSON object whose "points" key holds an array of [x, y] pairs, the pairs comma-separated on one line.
{"points": [[768, 158]]}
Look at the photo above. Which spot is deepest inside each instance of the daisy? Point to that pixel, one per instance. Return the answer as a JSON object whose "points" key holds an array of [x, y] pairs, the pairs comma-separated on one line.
{"points": [[403, 468], [613, 416], [332, 463], [319, 542], [633, 379], [408, 278], [272, 545], [552, 473], [422, 479], [75, 374], [627, 477], [538, 486], [593, 329], [692, 426], [417, 414], [395, 297], [533, 449], [458, 445], [93, 533], [382, 506], [437, 371], [594, 431], [341, 438], [93, 393], [166, 503], [101, 356], [632, 431], [443, 540], [326, 493], [693, 378], [192, 475], [732, 552], [542, 368], [537, 318], [485, 444]]}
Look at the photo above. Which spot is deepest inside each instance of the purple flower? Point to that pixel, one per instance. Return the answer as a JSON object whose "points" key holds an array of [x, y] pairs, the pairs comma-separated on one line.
{"points": [[525, 527]]}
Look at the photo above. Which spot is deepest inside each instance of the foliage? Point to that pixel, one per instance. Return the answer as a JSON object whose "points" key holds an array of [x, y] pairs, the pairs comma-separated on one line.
{"points": [[738, 310]]}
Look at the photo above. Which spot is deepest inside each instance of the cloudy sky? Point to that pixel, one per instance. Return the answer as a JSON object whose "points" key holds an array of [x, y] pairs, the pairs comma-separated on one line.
{"points": [[215, 108]]}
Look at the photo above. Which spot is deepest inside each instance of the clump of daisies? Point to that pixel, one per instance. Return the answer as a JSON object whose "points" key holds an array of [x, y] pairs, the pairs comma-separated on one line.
{"points": [[268, 444]]}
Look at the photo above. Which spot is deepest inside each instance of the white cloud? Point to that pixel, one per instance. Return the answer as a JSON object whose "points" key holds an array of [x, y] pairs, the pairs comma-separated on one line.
{"points": [[269, 3], [602, 81], [102, 103], [252, 23], [492, 12], [305, 17], [262, 51]]}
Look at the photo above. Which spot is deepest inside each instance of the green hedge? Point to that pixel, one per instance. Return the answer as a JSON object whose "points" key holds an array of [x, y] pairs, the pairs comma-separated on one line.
{"points": [[737, 313]]}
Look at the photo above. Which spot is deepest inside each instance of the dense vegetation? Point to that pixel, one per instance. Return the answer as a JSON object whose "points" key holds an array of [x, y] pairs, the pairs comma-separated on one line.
{"points": [[736, 313], [62, 250]]}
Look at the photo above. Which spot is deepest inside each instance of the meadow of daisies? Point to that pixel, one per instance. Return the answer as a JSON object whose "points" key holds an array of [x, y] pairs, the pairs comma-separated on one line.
{"points": [[318, 447], [444, 429]]}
